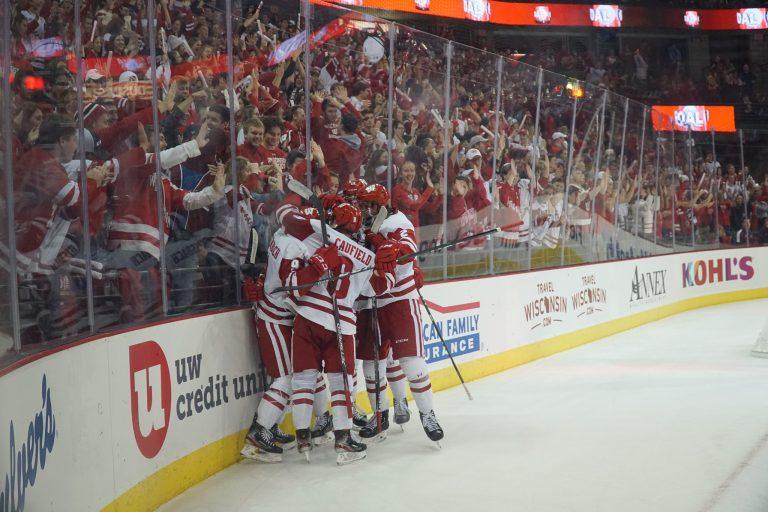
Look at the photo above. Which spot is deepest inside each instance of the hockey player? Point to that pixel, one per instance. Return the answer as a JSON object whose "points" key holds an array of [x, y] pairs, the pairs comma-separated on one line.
{"points": [[274, 326], [395, 376], [316, 333], [352, 188], [399, 323], [348, 193]]}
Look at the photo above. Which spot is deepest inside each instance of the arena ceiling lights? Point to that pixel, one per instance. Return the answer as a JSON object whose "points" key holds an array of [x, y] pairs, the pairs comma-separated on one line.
{"points": [[574, 15]]}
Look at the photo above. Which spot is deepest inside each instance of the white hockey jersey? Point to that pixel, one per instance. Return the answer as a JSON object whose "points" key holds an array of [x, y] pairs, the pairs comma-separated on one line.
{"points": [[225, 243], [546, 231], [524, 186], [316, 305], [278, 307], [398, 228]]}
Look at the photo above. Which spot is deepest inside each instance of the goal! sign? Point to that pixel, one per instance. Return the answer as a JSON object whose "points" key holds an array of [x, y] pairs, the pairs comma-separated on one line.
{"points": [[697, 118]]}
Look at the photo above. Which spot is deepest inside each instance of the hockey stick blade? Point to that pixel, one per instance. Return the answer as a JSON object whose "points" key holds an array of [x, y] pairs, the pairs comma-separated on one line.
{"points": [[254, 246], [379, 220], [299, 188], [511, 227]]}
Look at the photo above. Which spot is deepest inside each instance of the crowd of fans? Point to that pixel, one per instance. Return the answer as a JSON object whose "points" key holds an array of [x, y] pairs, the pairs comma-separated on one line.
{"points": [[652, 70], [661, 77], [95, 210]]}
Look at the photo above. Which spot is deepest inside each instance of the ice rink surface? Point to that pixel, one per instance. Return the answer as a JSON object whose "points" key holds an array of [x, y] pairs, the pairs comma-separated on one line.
{"points": [[671, 416]]}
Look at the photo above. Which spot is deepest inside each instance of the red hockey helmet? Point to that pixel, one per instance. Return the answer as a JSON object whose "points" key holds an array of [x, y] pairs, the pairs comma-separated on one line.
{"points": [[353, 187], [310, 213], [374, 194], [347, 217]]}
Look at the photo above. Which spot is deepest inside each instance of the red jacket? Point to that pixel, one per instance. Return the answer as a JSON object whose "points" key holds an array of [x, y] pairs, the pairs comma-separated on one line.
{"points": [[344, 154], [477, 198], [262, 155], [118, 132], [42, 189], [432, 211], [134, 225], [294, 135], [509, 195], [410, 202]]}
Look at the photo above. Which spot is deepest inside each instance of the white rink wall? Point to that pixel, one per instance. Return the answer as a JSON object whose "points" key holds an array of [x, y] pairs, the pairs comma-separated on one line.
{"points": [[519, 309], [126, 421], [102, 445]]}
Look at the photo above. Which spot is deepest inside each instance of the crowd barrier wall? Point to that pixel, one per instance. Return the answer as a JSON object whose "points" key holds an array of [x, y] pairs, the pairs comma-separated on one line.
{"points": [[127, 421]]}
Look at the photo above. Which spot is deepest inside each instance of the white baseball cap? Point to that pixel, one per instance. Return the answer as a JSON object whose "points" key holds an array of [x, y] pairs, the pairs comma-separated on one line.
{"points": [[93, 74], [473, 153], [128, 76]]}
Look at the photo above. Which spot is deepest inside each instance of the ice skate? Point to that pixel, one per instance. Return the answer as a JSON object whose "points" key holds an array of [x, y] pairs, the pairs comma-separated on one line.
{"points": [[304, 442], [431, 427], [359, 419], [371, 430], [402, 413], [321, 432], [260, 445], [284, 439], [347, 449]]}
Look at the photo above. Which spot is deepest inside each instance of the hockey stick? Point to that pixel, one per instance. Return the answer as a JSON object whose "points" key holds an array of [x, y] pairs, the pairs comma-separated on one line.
{"points": [[306, 193], [253, 246], [376, 355], [302, 190], [445, 345], [403, 258], [375, 228], [249, 268]]}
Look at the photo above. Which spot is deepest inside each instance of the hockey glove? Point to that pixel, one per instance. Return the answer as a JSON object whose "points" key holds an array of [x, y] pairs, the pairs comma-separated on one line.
{"points": [[374, 239], [330, 200], [253, 289], [418, 276], [325, 258], [386, 258]]}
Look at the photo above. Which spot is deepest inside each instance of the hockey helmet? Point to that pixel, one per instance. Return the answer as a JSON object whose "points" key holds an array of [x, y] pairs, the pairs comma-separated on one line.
{"points": [[374, 194], [347, 217], [352, 188], [310, 213]]}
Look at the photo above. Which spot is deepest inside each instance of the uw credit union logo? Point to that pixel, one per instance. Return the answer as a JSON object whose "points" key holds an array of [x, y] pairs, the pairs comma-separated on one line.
{"points": [[150, 396]]}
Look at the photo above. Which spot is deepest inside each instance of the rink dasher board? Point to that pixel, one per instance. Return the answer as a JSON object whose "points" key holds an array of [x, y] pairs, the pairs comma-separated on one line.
{"points": [[107, 445], [103, 446]]}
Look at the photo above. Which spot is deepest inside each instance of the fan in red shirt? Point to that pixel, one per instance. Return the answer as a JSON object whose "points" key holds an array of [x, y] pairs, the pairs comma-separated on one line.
{"points": [[406, 198], [431, 212], [253, 132], [262, 142], [335, 128], [477, 198], [457, 203], [43, 191], [295, 128]]}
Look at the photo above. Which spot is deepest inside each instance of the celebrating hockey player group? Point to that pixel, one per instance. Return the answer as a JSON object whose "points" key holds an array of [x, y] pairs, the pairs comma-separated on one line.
{"points": [[337, 289]]}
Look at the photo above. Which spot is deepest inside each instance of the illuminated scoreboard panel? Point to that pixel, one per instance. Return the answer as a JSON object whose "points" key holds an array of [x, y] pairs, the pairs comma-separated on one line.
{"points": [[575, 15], [697, 118]]}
